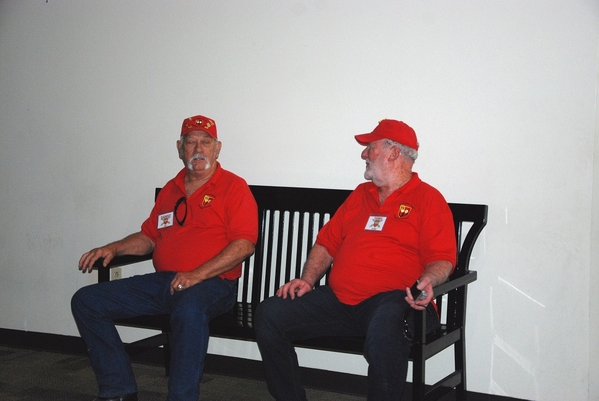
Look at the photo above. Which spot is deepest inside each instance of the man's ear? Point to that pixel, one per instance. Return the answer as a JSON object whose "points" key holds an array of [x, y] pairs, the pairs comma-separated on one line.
{"points": [[219, 145], [179, 150], [394, 154]]}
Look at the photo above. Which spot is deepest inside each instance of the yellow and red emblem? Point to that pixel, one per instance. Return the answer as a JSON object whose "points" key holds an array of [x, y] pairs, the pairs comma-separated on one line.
{"points": [[404, 210], [207, 199]]}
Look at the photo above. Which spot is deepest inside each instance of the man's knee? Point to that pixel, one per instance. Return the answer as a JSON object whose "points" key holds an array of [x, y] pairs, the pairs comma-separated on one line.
{"points": [[262, 313], [267, 315], [81, 300], [189, 314]]}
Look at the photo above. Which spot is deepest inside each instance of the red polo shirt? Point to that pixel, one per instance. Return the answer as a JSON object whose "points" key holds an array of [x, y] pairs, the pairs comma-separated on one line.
{"points": [[378, 248], [220, 211]]}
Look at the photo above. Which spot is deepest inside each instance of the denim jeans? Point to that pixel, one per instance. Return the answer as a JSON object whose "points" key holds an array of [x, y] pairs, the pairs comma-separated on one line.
{"points": [[280, 321], [96, 306]]}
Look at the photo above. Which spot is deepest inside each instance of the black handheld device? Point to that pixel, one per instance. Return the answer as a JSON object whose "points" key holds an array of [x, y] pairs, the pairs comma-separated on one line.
{"points": [[416, 293]]}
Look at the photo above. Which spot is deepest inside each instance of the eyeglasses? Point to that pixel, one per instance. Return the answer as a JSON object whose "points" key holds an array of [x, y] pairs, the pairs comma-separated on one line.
{"points": [[182, 200]]}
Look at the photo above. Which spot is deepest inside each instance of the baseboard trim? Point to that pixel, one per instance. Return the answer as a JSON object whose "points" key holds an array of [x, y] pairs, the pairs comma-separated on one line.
{"points": [[216, 364], [42, 341]]}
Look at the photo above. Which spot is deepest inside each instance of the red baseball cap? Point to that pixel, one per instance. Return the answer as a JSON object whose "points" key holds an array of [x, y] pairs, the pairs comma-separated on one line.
{"points": [[397, 131], [200, 123]]}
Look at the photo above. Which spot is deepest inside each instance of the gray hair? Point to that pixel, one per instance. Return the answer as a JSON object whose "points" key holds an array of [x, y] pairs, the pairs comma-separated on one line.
{"points": [[405, 150], [181, 144]]}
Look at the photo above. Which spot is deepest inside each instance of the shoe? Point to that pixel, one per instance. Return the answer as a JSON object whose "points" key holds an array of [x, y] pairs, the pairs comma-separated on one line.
{"points": [[127, 397]]}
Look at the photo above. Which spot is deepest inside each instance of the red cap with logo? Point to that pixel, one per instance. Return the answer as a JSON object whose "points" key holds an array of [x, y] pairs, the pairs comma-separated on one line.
{"points": [[397, 131], [200, 123]]}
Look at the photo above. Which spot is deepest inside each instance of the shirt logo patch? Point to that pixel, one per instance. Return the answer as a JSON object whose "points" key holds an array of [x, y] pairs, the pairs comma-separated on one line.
{"points": [[206, 201], [165, 220], [375, 223], [404, 210]]}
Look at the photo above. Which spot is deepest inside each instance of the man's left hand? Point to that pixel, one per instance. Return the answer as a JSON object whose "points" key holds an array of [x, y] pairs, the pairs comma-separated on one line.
{"points": [[426, 285], [184, 280]]}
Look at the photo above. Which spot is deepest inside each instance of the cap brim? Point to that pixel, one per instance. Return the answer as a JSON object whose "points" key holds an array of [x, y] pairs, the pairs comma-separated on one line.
{"points": [[365, 139]]}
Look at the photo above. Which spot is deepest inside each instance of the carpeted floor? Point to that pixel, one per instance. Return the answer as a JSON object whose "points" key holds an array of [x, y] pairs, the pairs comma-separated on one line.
{"points": [[28, 375]]}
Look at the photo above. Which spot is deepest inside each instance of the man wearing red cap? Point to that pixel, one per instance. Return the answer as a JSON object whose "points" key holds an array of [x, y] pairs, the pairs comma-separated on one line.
{"points": [[388, 234], [203, 225]]}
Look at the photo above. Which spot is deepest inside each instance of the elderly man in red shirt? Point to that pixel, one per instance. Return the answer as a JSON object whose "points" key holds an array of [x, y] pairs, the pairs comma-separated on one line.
{"points": [[388, 234], [203, 225]]}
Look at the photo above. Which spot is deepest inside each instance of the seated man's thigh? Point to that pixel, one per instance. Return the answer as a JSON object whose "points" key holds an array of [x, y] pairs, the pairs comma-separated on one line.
{"points": [[382, 314], [128, 297], [210, 298], [381, 317], [385, 316], [316, 313]]}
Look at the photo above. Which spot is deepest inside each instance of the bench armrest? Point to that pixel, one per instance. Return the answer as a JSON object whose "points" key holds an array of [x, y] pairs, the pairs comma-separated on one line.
{"points": [[452, 284], [420, 336], [123, 260]]}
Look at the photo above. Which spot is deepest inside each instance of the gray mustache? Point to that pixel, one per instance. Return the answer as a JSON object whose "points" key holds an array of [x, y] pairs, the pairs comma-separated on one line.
{"points": [[198, 156]]}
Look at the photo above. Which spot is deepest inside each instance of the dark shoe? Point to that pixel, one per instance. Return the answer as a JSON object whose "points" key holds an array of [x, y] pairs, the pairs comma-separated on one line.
{"points": [[128, 397]]}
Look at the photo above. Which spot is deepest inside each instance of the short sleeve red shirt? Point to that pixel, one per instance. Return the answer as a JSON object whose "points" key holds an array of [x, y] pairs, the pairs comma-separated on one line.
{"points": [[219, 212], [378, 248]]}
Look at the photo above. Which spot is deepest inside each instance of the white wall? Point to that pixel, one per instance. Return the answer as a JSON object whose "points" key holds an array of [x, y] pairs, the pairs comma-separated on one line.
{"points": [[502, 95], [594, 273]]}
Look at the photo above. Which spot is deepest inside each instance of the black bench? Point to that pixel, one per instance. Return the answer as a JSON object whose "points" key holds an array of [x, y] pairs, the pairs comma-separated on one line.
{"points": [[289, 219]]}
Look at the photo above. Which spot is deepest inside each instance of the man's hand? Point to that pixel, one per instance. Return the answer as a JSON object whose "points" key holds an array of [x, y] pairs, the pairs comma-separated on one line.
{"points": [[435, 273], [88, 259], [231, 255], [184, 280], [296, 287], [426, 285], [134, 244]]}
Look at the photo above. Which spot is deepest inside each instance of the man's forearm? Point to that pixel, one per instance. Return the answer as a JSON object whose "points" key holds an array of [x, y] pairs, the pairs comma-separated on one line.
{"points": [[318, 262], [437, 272], [134, 244], [232, 255]]}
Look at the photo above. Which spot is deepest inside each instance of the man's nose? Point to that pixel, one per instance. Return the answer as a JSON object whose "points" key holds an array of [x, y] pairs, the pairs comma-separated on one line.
{"points": [[364, 154]]}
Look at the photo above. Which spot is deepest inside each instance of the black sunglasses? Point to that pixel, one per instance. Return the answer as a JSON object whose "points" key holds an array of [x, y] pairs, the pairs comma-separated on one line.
{"points": [[181, 200]]}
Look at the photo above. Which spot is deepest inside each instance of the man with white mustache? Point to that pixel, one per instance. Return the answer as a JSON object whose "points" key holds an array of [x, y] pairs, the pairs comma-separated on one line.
{"points": [[390, 233], [203, 225]]}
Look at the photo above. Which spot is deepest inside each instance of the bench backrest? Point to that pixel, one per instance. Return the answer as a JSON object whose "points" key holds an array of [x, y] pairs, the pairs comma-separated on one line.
{"points": [[469, 221], [290, 219]]}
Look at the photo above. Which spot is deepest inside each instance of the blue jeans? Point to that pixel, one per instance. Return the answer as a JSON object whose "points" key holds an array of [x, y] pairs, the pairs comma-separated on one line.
{"points": [[96, 306], [279, 322]]}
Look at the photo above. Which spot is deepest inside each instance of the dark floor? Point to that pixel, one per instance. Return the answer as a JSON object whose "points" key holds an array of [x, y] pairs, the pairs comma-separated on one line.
{"points": [[29, 375]]}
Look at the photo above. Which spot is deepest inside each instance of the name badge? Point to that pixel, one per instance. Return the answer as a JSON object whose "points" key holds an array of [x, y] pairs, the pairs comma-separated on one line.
{"points": [[375, 223], [165, 220]]}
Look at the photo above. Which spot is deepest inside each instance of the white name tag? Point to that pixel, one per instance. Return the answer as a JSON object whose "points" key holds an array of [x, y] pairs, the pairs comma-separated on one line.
{"points": [[165, 220], [375, 223]]}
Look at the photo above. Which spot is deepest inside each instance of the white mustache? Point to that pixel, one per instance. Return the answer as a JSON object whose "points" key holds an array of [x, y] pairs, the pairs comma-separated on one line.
{"points": [[198, 156]]}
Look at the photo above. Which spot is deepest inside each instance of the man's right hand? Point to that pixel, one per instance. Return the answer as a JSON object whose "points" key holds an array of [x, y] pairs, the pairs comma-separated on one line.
{"points": [[134, 244], [86, 263], [296, 287]]}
